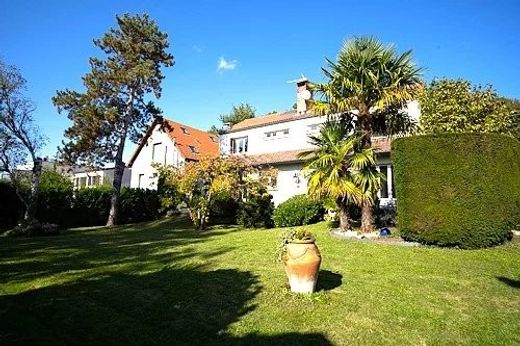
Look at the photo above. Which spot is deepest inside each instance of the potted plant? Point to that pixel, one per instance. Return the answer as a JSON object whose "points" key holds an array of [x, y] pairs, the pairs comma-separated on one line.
{"points": [[301, 258]]}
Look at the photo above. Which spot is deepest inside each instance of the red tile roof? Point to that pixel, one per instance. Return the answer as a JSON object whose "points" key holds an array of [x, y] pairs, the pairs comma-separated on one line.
{"points": [[381, 145], [191, 142], [269, 120]]}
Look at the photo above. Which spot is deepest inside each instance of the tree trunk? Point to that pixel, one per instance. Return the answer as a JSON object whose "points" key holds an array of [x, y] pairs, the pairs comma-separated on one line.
{"points": [[344, 221], [32, 203], [367, 218], [367, 224], [119, 169]]}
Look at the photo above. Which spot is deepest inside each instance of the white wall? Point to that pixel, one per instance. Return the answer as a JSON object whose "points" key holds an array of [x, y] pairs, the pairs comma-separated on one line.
{"points": [[258, 144], [286, 184], [103, 176], [143, 174]]}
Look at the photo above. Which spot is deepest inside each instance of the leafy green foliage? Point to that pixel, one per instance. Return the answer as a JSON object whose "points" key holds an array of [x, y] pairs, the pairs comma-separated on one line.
{"points": [[300, 233], [257, 208], [373, 81], [238, 113], [341, 169], [60, 205], [203, 183], [457, 189], [457, 106], [297, 211], [11, 208], [55, 198]]}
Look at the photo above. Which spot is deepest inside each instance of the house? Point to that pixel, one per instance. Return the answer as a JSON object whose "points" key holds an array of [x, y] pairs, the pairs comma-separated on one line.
{"points": [[167, 142], [83, 177], [276, 140]]}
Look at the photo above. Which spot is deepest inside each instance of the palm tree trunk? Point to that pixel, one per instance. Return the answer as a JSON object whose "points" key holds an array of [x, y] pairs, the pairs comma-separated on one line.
{"points": [[367, 220], [344, 221]]}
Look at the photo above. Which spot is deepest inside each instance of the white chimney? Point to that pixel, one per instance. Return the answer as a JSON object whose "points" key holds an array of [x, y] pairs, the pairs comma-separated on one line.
{"points": [[303, 95]]}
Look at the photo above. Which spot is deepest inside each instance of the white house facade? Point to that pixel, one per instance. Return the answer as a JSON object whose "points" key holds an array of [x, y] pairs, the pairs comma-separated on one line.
{"points": [[276, 140], [85, 178], [168, 142]]}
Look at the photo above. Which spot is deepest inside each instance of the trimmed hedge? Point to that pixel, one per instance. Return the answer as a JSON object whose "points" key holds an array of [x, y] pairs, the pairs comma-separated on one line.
{"points": [[298, 211], [457, 189], [84, 207]]}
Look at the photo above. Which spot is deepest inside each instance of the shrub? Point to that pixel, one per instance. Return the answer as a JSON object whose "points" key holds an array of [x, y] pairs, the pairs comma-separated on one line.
{"points": [[138, 205], [91, 206], [55, 198], [457, 189], [385, 215], [297, 211], [11, 209], [257, 209], [223, 210]]}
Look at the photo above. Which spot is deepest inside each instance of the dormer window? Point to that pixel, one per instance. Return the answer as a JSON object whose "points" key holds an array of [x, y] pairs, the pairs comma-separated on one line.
{"points": [[213, 139], [193, 149], [184, 130]]}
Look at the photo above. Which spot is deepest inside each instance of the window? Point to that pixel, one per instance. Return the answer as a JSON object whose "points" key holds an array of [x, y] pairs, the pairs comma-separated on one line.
{"points": [[155, 151], [276, 134], [193, 149], [213, 139], [384, 185], [185, 130], [239, 145], [82, 181], [313, 129], [140, 181]]}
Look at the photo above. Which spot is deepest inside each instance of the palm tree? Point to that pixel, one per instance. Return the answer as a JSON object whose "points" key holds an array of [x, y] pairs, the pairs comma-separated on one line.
{"points": [[339, 168], [368, 79]]}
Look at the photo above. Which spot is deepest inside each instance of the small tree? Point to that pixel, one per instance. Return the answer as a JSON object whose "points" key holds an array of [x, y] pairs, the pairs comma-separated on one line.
{"points": [[457, 106], [19, 137], [114, 105], [200, 183], [341, 169]]}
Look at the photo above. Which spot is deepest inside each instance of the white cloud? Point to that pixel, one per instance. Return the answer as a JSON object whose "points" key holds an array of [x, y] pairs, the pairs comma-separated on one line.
{"points": [[226, 65]]}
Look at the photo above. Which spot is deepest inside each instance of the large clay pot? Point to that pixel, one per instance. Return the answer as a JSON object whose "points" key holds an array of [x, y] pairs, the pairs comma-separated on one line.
{"points": [[302, 265]]}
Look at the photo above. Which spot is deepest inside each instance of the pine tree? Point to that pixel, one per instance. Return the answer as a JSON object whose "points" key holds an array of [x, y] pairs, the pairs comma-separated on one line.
{"points": [[114, 106]]}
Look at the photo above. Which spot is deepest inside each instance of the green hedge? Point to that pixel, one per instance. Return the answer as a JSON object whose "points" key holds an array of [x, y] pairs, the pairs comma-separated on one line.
{"points": [[297, 211], [58, 204], [457, 189]]}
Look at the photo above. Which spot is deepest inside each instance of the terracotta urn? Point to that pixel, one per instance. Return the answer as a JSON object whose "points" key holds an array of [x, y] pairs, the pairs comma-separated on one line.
{"points": [[302, 265]]}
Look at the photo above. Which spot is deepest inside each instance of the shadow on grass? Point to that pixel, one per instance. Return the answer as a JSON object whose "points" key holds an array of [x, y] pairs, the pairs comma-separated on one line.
{"points": [[328, 280], [102, 249], [510, 282], [181, 306]]}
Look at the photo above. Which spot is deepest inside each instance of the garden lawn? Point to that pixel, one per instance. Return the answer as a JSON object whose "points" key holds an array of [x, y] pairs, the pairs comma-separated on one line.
{"points": [[164, 283]]}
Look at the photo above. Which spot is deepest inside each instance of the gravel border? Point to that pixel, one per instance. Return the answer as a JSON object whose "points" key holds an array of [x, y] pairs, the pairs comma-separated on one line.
{"points": [[372, 238]]}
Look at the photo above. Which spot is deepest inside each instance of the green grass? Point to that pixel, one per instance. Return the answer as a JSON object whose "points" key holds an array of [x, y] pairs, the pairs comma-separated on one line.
{"points": [[164, 283]]}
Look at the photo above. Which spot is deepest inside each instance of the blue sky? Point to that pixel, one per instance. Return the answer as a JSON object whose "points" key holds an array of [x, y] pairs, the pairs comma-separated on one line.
{"points": [[258, 44]]}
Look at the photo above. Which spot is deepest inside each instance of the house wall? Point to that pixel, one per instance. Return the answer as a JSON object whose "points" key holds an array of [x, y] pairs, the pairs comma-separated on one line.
{"points": [[259, 144], [160, 149], [100, 177], [297, 139], [292, 181]]}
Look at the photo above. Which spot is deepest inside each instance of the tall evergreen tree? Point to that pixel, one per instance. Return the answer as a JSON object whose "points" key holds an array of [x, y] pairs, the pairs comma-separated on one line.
{"points": [[114, 105]]}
